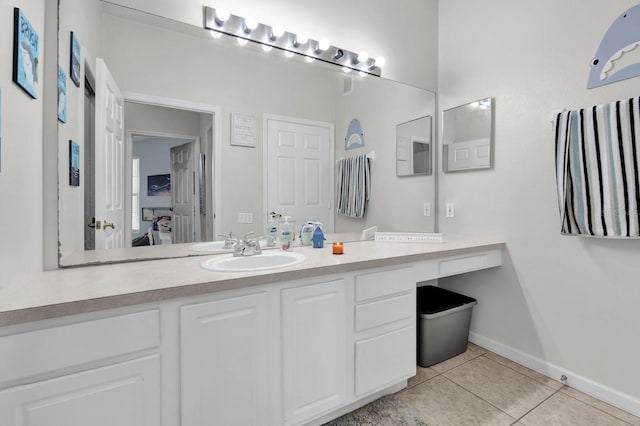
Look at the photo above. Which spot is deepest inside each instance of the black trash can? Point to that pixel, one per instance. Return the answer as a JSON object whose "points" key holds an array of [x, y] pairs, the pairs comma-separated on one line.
{"points": [[444, 318]]}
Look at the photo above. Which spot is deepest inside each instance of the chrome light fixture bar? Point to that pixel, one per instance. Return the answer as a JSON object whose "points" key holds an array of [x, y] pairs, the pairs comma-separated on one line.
{"points": [[223, 22]]}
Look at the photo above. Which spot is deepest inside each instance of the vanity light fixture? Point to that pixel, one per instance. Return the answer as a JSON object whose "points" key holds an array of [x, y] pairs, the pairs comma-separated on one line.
{"points": [[249, 29]]}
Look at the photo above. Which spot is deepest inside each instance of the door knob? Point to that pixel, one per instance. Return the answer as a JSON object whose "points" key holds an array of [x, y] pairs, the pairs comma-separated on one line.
{"points": [[93, 223], [106, 225]]}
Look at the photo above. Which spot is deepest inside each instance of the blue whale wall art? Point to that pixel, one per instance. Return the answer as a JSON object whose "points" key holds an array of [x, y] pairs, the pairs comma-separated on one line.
{"points": [[622, 37]]}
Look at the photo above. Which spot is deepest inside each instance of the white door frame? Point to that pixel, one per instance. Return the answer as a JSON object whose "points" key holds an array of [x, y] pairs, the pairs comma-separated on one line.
{"points": [[132, 133], [265, 159], [216, 112]]}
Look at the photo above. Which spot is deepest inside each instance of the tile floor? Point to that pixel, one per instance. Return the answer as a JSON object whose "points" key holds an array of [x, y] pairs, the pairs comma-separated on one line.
{"points": [[479, 387]]}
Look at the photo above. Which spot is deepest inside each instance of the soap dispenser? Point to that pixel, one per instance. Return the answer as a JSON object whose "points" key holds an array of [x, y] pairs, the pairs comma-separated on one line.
{"points": [[286, 234], [306, 233], [318, 236]]}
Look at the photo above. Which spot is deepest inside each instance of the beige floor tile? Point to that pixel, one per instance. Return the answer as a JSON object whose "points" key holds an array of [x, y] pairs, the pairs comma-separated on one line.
{"points": [[476, 348], [456, 361], [563, 410], [510, 391], [603, 406], [441, 402], [422, 374], [524, 370]]}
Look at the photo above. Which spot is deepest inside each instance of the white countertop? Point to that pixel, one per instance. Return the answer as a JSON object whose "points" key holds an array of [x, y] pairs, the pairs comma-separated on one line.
{"points": [[61, 292]]}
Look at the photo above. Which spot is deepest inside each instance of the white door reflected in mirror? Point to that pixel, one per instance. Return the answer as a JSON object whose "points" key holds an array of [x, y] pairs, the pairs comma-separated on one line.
{"points": [[467, 134]]}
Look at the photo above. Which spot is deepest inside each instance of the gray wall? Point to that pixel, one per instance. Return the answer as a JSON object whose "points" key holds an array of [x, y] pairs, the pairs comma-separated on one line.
{"points": [[568, 301]]}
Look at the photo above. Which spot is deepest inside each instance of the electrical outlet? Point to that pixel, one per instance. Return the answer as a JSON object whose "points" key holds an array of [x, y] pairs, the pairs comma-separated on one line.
{"points": [[451, 211], [426, 208]]}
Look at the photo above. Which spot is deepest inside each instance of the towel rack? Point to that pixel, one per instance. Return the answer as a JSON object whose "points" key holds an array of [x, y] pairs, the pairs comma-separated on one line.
{"points": [[371, 155], [554, 113]]}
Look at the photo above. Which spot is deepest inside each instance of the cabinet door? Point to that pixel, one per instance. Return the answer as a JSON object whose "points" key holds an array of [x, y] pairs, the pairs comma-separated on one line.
{"points": [[314, 351], [385, 359], [224, 362], [124, 394]]}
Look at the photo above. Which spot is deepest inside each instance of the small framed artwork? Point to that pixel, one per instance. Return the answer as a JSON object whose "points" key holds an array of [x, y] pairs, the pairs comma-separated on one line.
{"points": [[25, 54], [75, 60], [74, 163], [0, 130], [355, 135], [62, 95], [158, 185], [243, 129], [147, 214]]}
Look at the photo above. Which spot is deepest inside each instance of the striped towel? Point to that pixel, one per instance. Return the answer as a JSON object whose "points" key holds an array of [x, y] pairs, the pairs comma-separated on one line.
{"points": [[353, 186], [597, 169]]}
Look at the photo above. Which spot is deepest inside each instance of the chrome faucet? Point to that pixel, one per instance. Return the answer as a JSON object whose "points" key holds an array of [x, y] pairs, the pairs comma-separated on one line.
{"points": [[247, 246], [230, 241]]}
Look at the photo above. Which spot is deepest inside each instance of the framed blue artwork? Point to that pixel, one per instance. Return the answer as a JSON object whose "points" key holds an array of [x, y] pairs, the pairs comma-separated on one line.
{"points": [[158, 185], [74, 66], [25, 54], [74, 163], [62, 95]]}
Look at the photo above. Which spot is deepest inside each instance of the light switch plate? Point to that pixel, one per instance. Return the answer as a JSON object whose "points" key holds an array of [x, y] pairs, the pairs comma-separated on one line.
{"points": [[245, 217]]}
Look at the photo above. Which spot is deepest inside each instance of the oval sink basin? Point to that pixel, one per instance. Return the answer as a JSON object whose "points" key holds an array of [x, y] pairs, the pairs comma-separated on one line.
{"points": [[259, 262], [217, 246]]}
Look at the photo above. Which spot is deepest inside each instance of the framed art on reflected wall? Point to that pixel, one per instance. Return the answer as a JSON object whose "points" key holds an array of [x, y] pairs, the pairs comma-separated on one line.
{"points": [[74, 67], [25, 54], [74, 163], [159, 185], [62, 95]]}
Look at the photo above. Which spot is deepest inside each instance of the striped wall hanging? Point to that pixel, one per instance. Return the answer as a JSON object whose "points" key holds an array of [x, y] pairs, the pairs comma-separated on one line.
{"points": [[597, 169]]}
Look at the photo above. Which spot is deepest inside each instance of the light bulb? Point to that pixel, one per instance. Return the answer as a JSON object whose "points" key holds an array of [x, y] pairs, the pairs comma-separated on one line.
{"points": [[301, 39], [277, 31], [242, 41], [251, 23], [266, 48], [222, 15], [323, 44], [309, 59], [288, 54], [380, 61], [363, 56]]}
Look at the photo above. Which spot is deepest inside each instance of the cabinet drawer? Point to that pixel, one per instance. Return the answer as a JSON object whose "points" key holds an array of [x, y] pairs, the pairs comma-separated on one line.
{"points": [[46, 350], [127, 393], [383, 283], [385, 311], [386, 359]]}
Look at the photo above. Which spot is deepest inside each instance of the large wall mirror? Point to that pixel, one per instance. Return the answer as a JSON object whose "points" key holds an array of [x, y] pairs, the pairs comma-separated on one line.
{"points": [[181, 88], [467, 134]]}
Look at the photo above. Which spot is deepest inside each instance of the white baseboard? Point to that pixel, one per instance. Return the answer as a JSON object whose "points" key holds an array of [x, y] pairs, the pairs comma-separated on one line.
{"points": [[602, 392]]}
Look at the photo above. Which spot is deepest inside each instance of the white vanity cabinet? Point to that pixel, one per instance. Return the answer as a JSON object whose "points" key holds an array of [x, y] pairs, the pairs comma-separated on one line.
{"points": [[314, 349], [224, 361], [385, 329], [102, 372]]}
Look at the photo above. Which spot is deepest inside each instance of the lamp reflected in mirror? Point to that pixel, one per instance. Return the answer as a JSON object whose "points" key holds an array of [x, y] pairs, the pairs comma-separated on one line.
{"points": [[467, 135]]}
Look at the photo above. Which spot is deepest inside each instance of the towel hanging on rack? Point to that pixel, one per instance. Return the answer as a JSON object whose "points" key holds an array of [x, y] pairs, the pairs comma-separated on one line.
{"points": [[353, 185], [597, 164]]}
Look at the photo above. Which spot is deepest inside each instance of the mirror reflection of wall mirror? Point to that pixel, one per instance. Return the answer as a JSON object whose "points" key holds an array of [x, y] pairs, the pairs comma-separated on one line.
{"points": [[414, 151], [467, 134], [208, 81]]}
